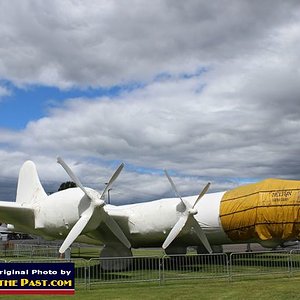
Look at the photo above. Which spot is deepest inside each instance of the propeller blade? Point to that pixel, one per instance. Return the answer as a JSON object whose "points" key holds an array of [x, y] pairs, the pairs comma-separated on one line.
{"points": [[202, 194], [174, 187], [96, 201], [117, 231], [112, 179], [72, 175], [199, 231], [175, 231], [76, 230]]}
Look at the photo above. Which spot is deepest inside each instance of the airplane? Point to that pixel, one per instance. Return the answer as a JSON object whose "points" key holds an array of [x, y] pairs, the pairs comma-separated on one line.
{"points": [[267, 212]]}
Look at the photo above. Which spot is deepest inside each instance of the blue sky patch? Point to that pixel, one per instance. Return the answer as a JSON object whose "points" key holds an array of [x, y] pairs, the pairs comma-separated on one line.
{"points": [[32, 102]]}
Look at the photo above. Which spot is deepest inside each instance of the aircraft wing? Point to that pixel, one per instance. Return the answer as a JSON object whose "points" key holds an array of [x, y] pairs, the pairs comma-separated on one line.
{"points": [[16, 214]]}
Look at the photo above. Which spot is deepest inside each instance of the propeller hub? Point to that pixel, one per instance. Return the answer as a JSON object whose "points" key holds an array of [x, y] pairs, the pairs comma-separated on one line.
{"points": [[95, 197], [99, 203], [193, 211]]}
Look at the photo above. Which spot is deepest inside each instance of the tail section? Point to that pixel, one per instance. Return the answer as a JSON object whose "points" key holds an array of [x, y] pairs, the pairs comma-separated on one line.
{"points": [[29, 188]]}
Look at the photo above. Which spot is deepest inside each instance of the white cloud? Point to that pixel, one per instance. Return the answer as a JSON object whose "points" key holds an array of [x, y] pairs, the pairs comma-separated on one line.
{"points": [[107, 42], [4, 92], [237, 119]]}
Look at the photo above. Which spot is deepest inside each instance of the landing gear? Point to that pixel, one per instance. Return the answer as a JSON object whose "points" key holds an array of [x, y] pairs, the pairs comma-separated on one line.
{"points": [[176, 250], [115, 257], [215, 249]]}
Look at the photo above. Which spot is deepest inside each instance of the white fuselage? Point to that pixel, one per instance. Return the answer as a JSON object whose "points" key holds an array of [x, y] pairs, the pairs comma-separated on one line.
{"points": [[150, 222], [144, 224]]}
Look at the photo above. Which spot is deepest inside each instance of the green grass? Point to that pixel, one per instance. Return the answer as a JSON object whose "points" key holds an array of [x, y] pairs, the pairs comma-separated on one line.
{"points": [[259, 289], [85, 252], [258, 280], [148, 252], [94, 252]]}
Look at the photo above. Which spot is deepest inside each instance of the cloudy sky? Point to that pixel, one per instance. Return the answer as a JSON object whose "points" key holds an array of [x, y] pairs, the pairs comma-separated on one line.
{"points": [[209, 90]]}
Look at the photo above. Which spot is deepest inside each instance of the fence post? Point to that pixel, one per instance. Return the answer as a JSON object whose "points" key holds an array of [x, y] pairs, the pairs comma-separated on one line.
{"points": [[85, 274], [229, 263], [161, 270], [291, 263], [89, 272]]}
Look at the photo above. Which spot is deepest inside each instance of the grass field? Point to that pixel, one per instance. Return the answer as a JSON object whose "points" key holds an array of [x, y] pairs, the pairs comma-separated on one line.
{"points": [[92, 252], [260, 289], [264, 276]]}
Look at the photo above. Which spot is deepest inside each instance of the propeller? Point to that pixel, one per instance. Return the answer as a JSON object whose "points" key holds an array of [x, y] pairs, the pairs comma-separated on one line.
{"points": [[96, 203], [187, 215]]}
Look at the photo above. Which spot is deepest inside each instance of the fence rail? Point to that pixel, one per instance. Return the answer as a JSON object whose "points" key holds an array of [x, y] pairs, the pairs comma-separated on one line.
{"points": [[28, 250], [259, 263], [194, 266], [95, 271], [129, 269]]}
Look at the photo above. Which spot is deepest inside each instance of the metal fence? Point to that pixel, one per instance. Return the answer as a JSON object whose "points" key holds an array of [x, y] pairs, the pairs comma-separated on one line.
{"points": [[194, 266], [129, 269], [203, 266], [95, 271], [295, 261], [27, 250], [259, 263]]}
